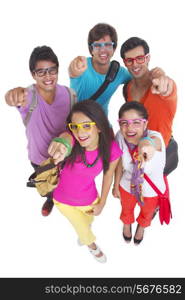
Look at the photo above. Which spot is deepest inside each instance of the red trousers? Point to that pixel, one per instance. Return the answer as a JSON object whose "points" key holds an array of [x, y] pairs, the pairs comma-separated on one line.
{"points": [[128, 203]]}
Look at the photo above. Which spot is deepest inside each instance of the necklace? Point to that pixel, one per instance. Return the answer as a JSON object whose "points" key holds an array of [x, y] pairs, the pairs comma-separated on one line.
{"points": [[86, 163]]}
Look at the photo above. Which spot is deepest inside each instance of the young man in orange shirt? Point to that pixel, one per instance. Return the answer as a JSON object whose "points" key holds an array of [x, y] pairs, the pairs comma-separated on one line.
{"points": [[161, 108]]}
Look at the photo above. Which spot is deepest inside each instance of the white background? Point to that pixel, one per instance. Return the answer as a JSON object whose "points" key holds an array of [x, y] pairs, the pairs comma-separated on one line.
{"points": [[37, 246]]}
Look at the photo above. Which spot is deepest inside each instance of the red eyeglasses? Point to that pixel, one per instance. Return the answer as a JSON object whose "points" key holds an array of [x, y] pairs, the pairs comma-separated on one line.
{"points": [[139, 60]]}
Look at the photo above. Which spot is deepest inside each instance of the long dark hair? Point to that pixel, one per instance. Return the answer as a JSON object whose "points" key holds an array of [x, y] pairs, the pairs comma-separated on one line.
{"points": [[94, 111]]}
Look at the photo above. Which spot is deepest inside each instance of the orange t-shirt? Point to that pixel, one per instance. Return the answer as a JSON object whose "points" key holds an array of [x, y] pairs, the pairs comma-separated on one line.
{"points": [[161, 111]]}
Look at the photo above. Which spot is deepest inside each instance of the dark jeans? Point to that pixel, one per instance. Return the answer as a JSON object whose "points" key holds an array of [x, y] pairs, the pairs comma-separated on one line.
{"points": [[171, 157], [50, 196]]}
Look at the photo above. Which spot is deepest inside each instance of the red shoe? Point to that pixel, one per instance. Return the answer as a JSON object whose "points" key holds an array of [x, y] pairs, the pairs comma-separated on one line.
{"points": [[47, 207]]}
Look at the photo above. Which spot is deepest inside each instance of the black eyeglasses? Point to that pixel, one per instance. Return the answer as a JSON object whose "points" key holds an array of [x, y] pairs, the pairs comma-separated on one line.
{"points": [[43, 72]]}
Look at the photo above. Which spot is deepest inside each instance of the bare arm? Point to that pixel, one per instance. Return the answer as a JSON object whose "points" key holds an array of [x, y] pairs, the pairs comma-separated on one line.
{"points": [[16, 97], [117, 178], [77, 66], [106, 184], [156, 73], [147, 148], [58, 150], [161, 84]]}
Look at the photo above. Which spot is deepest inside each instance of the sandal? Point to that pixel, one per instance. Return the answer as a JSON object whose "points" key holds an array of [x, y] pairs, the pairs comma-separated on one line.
{"points": [[97, 251]]}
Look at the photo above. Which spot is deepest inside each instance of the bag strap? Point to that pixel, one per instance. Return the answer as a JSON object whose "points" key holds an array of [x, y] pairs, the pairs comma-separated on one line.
{"points": [[34, 102], [47, 167], [41, 169], [33, 105], [110, 76], [155, 188], [72, 95]]}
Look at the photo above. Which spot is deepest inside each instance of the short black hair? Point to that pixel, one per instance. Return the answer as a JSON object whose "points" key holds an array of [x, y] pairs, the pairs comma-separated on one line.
{"points": [[136, 106], [99, 31], [132, 43], [42, 53]]}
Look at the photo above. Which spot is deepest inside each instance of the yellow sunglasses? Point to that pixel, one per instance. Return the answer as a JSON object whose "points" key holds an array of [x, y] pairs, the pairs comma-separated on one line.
{"points": [[85, 126]]}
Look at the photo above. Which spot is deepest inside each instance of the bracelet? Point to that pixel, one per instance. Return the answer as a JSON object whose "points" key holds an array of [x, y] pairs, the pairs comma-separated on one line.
{"points": [[149, 139], [65, 143]]}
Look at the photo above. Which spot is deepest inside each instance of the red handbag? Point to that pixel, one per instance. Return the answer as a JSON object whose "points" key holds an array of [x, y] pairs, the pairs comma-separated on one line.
{"points": [[165, 213]]}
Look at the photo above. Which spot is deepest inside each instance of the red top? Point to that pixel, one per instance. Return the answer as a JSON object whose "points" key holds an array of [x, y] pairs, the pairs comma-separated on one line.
{"points": [[161, 111]]}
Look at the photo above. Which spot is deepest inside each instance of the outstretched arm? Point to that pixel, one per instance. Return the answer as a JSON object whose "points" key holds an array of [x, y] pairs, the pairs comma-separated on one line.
{"points": [[161, 84], [147, 147], [16, 96], [78, 66], [61, 147]]}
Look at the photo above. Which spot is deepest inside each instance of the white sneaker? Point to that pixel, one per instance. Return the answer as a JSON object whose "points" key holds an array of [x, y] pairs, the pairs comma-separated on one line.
{"points": [[97, 251]]}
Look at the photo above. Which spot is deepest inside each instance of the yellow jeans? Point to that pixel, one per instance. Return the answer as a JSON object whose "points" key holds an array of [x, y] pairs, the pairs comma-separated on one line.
{"points": [[80, 220]]}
